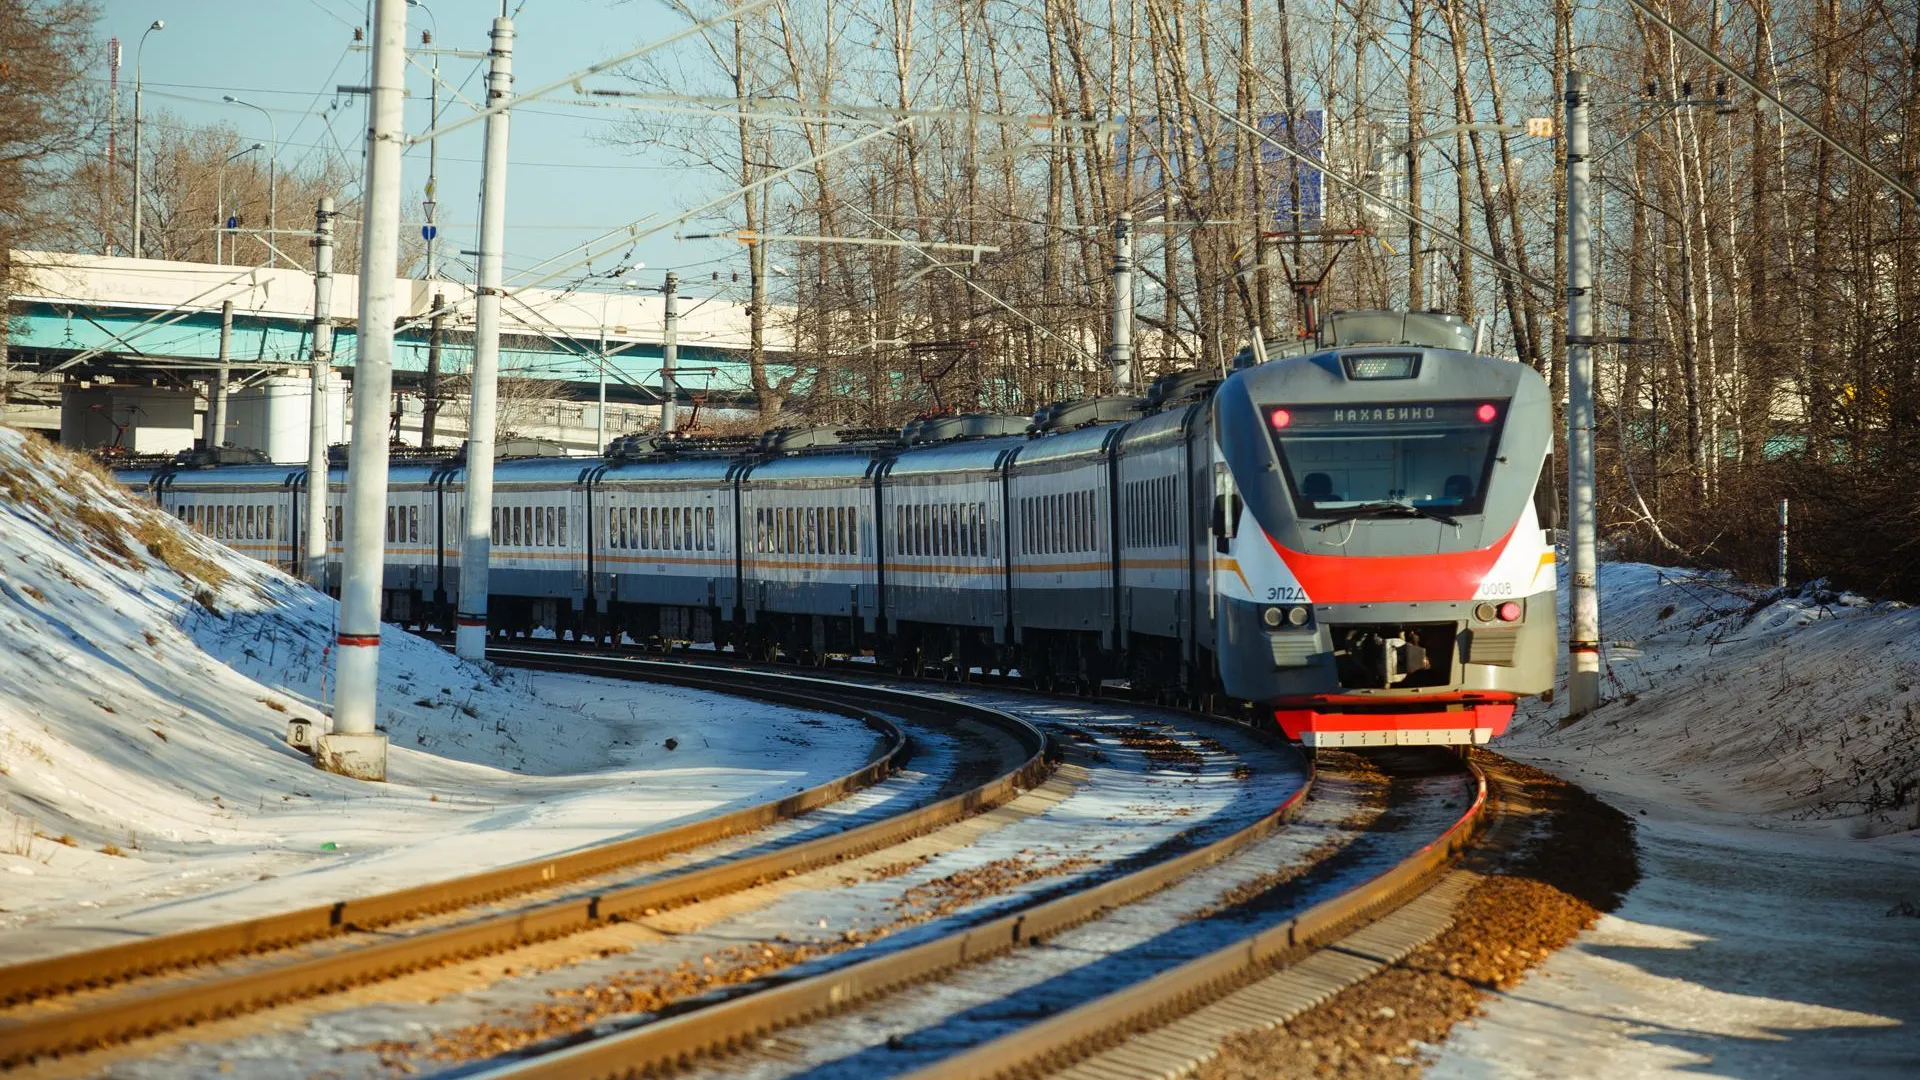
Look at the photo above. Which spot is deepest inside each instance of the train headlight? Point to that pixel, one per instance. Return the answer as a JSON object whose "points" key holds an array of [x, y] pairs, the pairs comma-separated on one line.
{"points": [[1484, 612], [1273, 617], [1299, 616], [1510, 611]]}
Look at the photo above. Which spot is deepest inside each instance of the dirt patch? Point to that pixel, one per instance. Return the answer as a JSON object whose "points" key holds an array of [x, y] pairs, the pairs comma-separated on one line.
{"points": [[944, 895], [571, 1010], [1161, 749], [1580, 861]]}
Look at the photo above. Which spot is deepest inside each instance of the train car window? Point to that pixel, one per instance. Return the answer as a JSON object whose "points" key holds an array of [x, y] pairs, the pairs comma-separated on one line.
{"points": [[700, 541], [939, 529], [269, 524], [923, 530], [413, 524], [496, 525], [560, 515], [686, 528]]}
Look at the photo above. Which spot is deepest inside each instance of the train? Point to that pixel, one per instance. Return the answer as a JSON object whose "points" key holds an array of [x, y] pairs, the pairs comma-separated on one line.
{"points": [[1342, 539]]}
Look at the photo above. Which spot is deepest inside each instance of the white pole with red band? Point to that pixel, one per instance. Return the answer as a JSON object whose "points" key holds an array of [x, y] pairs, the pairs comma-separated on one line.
{"points": [[353, 747]]}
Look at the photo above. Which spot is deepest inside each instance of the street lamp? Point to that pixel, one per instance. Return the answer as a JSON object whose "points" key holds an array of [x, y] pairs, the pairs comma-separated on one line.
{"points": [[220, 232], [433, 145], [600, 421], [139, 183], [273, 161]]}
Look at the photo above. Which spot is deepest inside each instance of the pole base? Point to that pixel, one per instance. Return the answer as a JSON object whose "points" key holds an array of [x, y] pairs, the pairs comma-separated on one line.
{"points": [[360, 756], [470, 641]]}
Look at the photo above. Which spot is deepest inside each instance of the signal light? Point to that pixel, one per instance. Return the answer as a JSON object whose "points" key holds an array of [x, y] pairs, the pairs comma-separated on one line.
{"points": [[1486, 413], [1281, 418], [1510, 612], [1485, 612]]}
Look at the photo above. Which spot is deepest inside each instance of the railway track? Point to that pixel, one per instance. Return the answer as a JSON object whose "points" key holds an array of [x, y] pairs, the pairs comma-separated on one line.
{"points": [[746, 1018], [891, 996], [80, 1001]]}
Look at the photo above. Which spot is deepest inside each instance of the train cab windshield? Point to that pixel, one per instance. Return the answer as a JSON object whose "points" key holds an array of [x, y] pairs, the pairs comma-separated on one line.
{"points": [[1424, 459]]}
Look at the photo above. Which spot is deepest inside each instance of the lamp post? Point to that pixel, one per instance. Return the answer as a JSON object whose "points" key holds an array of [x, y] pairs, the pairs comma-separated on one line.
{"points": [[433, 145], [273, 163], [139, 182], [220, 230]]}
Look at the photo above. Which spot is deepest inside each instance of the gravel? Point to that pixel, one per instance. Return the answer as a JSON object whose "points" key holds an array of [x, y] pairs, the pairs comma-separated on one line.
{"points": [[1577, 860]]}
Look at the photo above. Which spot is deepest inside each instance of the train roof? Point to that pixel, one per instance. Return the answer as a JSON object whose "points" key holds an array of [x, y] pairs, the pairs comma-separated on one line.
{"points": [[541, 470], [853, 465], [230, 476], [668, 469], [1082, 442], [977, 455]]}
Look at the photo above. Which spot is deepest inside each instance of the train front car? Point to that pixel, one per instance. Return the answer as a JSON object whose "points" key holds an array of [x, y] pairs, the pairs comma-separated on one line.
{"points": [[1381, 574]]}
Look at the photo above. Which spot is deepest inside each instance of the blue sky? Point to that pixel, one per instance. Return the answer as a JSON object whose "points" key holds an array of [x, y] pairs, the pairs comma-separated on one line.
{"points": [[565, 184]]}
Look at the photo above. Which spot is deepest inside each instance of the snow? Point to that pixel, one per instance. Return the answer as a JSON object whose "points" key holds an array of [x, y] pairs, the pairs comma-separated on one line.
{"points": [[1765, 742], [146, 680]]}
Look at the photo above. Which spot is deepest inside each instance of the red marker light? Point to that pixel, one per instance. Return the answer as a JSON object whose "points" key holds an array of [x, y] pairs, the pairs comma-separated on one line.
{"points": [[1281, 418], [1510, 612], [1486, 413]]}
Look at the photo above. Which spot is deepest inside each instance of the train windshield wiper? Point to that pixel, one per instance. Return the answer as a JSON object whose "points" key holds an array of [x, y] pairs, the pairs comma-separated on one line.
{"points": [[1385, 509]]}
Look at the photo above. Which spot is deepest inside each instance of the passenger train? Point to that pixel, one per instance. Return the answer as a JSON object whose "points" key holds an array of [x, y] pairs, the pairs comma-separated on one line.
{"points": [[1344, 538]]}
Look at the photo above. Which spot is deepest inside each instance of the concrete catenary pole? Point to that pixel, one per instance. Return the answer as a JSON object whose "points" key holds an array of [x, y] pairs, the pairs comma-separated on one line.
{"points": [[600, 418], [217, 396], [318, 479], [470, 637], [670, 355], [1120, 349], [353, 747], [1583, 629]]}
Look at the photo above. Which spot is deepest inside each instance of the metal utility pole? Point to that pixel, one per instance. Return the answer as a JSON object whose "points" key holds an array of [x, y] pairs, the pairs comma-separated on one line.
{"points": [[669, 354], [353, 747], [319, 480], [470, 636], [1120, 349], [436, 333], [139, 181], [217, 393], [600, 418], [1583, 628]]}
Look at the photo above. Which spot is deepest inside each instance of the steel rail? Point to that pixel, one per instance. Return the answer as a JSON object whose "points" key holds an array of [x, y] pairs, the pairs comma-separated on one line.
{"points": [[136, 1015], [669, 1043], [1062, 1039]]}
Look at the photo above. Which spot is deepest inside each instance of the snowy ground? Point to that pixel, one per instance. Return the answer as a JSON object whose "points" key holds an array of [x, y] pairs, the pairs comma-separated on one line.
{"points": [[146, 681], [1768, 746]]}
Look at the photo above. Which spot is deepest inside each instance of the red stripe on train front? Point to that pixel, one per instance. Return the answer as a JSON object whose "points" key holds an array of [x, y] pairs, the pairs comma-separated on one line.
{"points": [[1296, 722], [1387, 579]]}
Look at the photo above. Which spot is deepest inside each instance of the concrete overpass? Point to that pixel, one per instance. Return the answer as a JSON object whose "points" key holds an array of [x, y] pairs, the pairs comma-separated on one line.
{"points": [[109, 350]]}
